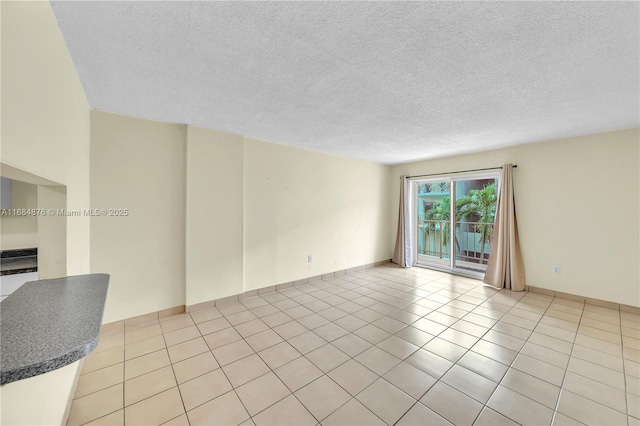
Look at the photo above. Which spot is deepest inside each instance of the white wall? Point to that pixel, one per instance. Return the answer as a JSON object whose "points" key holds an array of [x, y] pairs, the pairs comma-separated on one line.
{"points": [[45, 131], [214, 212], [138, 165], [45, 115], [577, 203], [299, 203]]}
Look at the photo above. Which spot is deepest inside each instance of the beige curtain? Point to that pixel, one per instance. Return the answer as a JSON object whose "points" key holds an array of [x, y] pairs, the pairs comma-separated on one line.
{"points": [[506, 268], [402, 251]]}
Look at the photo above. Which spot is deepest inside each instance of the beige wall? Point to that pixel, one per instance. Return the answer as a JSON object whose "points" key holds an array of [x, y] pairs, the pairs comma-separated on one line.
{"points": [[577, 202], [45, 131], [20, 231], [52, 244], [251, 213], [39, 400], [138, 165], [299, 203], [214, 212], [45, 115]]}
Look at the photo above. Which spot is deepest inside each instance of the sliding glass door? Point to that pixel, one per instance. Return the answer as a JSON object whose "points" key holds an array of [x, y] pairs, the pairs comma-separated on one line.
{"points": [[454, 222], [434, 224]]}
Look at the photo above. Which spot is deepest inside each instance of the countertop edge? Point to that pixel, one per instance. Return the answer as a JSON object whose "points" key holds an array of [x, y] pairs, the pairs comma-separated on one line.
{"points": [[48, 365], [81, 299]]}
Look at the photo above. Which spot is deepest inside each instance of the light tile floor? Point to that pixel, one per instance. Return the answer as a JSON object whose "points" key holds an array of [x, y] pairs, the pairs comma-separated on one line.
{"points": [[382, 346]]}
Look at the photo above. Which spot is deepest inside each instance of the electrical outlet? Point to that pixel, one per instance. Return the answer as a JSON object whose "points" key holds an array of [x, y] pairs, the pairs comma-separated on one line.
{"points": [[309, 258], [555, 269]]}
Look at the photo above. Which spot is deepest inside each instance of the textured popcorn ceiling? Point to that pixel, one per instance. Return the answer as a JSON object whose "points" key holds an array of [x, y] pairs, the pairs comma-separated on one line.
{"points": [[384, 81]]}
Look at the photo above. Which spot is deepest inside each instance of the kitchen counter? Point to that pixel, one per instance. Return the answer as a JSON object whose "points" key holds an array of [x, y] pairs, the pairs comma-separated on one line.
{"points": [[18, 261], [48, 324]]}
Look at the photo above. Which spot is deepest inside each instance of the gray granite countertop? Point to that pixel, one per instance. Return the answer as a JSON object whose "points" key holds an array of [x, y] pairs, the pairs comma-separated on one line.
{"points": [[47, 324]]}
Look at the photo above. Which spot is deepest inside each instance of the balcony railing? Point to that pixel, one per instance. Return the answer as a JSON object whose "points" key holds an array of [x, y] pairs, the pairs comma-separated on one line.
{"points": [[434, 240]]}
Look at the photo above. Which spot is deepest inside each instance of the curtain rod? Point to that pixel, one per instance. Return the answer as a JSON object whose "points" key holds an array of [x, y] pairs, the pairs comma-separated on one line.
{"points": [[461, 171]]}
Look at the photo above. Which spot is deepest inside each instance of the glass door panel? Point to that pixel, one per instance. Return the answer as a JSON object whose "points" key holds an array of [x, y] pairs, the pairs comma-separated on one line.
{"points": [[433, 202], [475, 209]]}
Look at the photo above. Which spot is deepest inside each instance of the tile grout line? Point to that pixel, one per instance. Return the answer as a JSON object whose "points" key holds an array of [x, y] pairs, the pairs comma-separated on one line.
{"points": [[234, 388], [304, 356], [351, 397], [518, 354], [439, 380], [381, 292], [600, 382], [548, 306], [123, 381], [231, 326], [268, 366], [166, 348], [573, 344], [350, 358], [124, 374], [624, 374], [152, 371], [149, 372], [214, 357], [417, 400]]}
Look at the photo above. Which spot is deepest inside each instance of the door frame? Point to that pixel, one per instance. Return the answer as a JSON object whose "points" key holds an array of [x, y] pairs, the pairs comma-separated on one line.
{"points": [[452, 178]]}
